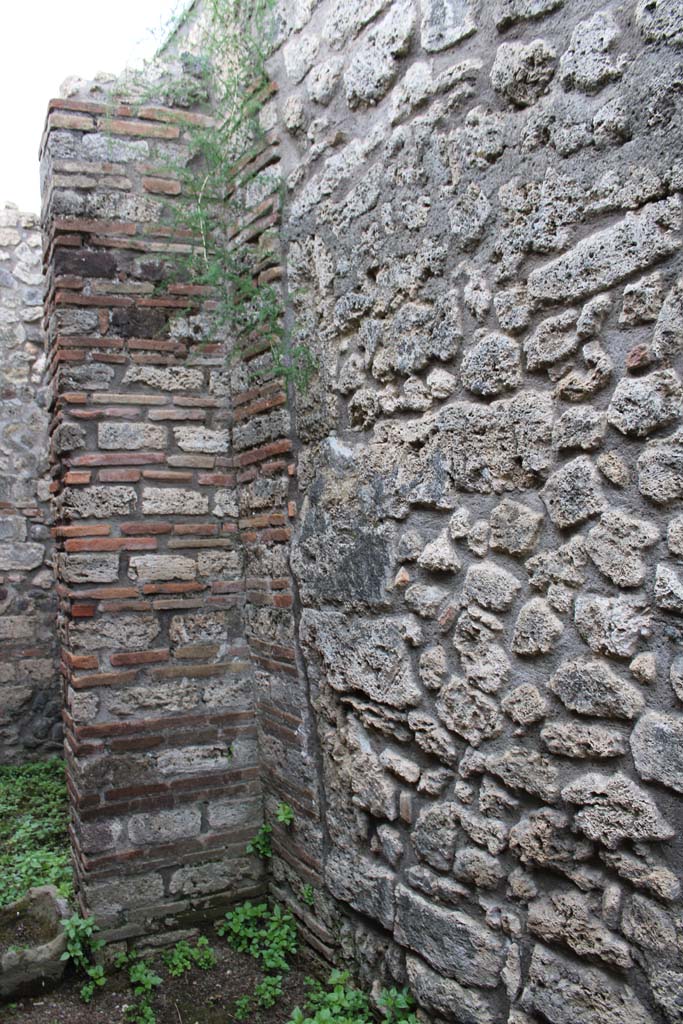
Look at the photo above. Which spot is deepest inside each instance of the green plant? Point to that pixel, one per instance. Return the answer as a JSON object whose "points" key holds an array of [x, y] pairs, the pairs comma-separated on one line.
{"points": [[242, 1008], [308, 895], [260, 844], [183, 957], [339, 1002], [268, 991], [81, 945], [268, 935], [178, 960], [34, 821], [228, 177], [397, 1005], [284, 814], [336, 1003], [143, 982]]}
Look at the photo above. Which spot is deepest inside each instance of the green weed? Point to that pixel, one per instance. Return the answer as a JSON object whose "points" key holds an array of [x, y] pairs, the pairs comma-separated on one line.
{"points": [[284, 814], [34, 838], [81, 946], [183, 957], [260, 844], [268, 935]]}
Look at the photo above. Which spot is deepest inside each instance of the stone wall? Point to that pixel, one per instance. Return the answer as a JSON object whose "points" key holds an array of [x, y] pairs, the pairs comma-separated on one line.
{"points": [[471, 696], [30, 700], [483, 251]]}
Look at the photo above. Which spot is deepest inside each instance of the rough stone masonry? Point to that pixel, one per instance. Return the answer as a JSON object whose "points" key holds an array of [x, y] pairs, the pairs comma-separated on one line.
{"points": [[30, 701], [471, 689]]}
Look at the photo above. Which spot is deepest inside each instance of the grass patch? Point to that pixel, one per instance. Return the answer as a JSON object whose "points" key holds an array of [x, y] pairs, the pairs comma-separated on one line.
{"points": [[34, 838]]}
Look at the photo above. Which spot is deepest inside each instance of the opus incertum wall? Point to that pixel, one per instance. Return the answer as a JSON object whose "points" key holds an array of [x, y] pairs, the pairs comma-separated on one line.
{"points": [[483, 248], [472, 699], [30, 705]]}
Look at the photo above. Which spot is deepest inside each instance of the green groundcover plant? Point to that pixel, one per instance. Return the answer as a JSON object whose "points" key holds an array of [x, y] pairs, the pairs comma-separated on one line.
{"points": [[34, 837]]}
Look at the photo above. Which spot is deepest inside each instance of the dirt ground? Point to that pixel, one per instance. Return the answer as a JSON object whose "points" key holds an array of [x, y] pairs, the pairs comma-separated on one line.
{"points": [[198, 997]]}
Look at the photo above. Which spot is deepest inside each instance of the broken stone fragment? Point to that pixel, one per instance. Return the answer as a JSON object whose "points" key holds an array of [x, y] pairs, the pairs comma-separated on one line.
{"points": [[561, 566], [612, 625], [441, 383], [667, 341], [509, 12], [525, 769], [544, 838], [68, 437], [521, 73], [477, 867], [642, 405], [439, 555], [514, 528], [668, 590], [492, 365], [467, 712], [614, 469], [674, 536], [433, 667], [374, 66], [425, 601], [524, 705], [579, 385], [390, 844], [644, 668], [565, 917], [579, 428], [587, 64], [323, 80], [446, 996], [565, 992], [355, 655], [490, 586], [613, 809], [400, 766], [512, 309], [642, 300], [573, 493], [660, 469], [553, 339], [537, 629], [374, 897], [676, 676], [433, 738], [591, 688], [573, 739], [445, 23], [657, 878], [609, 256], [657, 747], [434, 835], [451, 941], [614, 545], [648, 925], [593, 316], [436, 887]]}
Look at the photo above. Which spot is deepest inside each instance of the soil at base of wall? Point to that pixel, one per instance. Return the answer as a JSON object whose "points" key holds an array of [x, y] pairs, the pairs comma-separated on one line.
{"points": [[198, 997]]}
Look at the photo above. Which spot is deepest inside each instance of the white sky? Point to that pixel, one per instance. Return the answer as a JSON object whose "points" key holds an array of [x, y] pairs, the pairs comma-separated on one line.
{"points": [[46, 41]]}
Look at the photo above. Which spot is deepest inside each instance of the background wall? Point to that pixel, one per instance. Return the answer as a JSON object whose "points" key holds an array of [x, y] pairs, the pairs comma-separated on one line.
{"points": [[482, 235], [30, 699]]}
